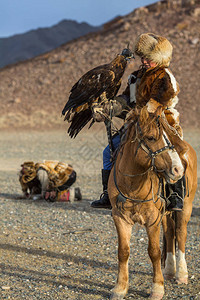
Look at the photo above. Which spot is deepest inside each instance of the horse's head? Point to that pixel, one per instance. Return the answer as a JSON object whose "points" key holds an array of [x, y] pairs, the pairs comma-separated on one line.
{"points": [[153, 146]]}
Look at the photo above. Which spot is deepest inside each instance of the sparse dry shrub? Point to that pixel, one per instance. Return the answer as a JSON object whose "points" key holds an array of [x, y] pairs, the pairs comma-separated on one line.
{"points": [[181, 26]]}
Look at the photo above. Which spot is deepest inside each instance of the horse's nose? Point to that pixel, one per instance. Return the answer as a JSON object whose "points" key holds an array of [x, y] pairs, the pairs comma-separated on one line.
{"points": [[177, 171]]}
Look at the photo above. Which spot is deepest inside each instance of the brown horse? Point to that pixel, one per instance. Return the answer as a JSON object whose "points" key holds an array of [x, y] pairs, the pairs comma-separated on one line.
{"points": [[146, 155]]}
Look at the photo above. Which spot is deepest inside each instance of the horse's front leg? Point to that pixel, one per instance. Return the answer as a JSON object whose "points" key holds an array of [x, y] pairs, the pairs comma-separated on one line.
{"points": [[124, 234], [155, 256]]}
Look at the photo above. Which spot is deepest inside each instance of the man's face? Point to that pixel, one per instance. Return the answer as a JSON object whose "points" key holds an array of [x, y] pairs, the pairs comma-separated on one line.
{"points": [[148, 63]]}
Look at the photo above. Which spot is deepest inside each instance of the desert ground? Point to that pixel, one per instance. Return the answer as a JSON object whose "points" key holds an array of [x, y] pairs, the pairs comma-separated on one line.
{"points": [[69, 250]]}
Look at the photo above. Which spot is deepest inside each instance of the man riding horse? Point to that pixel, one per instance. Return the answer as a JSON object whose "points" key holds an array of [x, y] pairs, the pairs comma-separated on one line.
{"points": [[152, 85]]}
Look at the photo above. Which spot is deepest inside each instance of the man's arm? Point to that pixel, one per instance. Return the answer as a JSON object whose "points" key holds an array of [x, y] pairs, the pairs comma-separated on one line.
{"points": [[163, 91]]}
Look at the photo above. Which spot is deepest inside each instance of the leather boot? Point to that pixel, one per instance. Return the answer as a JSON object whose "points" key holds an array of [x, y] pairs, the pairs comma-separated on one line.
{"points": [[104, 201], [176, 192]]}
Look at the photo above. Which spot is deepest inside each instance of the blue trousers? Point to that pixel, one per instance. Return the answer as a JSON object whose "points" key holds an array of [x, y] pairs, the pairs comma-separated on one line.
{"points": [[107, 164]]}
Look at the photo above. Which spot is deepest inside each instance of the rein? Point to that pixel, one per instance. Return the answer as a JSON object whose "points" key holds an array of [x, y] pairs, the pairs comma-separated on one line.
{"points": [[108, 124], [122, 198]]}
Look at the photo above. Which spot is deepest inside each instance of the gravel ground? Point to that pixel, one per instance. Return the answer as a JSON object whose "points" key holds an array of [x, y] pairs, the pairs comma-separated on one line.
{"points": [[69, 250]]}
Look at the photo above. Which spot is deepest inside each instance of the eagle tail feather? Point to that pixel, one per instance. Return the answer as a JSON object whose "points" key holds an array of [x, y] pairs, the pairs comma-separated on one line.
{"points": [[78, 122]]}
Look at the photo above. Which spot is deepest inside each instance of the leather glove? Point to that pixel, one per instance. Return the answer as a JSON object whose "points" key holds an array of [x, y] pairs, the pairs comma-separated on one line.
{"points": [[112, 107]]}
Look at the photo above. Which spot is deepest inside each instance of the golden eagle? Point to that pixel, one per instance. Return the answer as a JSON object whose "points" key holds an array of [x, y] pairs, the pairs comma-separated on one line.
{"points": [[97, 85]]}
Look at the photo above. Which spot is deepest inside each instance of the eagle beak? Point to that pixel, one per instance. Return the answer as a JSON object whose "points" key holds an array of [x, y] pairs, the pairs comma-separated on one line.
{"points": [[127, 53], [128, 58], [132, 56]]}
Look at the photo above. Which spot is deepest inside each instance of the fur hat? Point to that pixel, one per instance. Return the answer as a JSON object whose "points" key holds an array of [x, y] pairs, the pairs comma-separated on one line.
{"points": [[154, 47]]}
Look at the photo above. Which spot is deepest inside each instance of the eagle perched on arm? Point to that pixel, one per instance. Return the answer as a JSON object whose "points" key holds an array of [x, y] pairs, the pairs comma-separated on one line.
{"points": [[97, 85]]}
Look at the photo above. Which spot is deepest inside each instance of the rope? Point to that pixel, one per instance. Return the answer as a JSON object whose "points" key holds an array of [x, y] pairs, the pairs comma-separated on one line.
{"points": [[125, 197]]}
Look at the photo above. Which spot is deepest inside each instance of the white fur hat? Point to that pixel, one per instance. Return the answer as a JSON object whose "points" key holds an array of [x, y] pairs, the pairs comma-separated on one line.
{"points": [[154, 47]]}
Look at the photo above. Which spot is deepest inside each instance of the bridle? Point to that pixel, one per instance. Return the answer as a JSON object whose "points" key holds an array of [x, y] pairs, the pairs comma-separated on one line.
{"points": [[152, 154], [147, 149]]}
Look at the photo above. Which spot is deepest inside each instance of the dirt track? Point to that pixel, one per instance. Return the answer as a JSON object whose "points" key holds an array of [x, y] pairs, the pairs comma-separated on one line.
{"points": [[69, 251]]}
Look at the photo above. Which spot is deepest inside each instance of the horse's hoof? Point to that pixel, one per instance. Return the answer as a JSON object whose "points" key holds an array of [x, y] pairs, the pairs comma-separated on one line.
{"points": [[182, 280], [156, 296], [115, 296], [157, 291]]}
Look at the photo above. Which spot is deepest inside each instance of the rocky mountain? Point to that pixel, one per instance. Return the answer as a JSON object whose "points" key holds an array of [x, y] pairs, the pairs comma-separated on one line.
{"points": [[33, 93], [32, 43]]}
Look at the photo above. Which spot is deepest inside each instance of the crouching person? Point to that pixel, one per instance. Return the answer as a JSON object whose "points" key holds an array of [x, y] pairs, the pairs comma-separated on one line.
{"points": [[50, 180]]}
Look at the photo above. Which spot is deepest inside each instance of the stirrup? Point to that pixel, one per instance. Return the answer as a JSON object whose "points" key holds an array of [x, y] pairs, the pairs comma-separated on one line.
{"points": [[103, 202], [174, 202]]}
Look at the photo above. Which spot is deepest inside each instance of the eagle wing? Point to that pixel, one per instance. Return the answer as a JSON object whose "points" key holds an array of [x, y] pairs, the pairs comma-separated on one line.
{"points": [[89, 87], [86, 91], [98, 84]]}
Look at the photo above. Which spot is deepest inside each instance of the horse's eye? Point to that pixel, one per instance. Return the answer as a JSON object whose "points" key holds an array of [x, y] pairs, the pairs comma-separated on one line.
{"points": [[150, 138]]}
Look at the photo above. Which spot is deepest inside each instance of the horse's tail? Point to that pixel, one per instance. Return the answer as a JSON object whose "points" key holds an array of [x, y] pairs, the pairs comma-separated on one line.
{"points": [[174, 217], [164, 251], [164, 248]]}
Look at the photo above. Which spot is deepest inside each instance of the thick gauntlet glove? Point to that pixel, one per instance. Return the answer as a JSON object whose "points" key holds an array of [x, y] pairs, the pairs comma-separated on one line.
{"points": [[112, 107]]}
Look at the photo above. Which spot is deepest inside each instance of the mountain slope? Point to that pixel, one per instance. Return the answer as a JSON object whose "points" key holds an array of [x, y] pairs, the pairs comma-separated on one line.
{"points": [[23, 46], [34, 92]]}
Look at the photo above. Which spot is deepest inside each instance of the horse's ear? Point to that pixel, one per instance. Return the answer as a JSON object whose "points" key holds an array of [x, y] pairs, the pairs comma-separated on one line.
{"points": [[144, 114], [159, 111]]}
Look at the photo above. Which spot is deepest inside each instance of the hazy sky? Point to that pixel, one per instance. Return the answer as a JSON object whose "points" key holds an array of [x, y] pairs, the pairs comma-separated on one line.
{"points": [[19, 16]]}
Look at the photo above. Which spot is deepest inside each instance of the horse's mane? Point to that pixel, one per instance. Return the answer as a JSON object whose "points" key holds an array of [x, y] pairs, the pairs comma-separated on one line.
{"points": [[148, 121], [131, 120]]}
